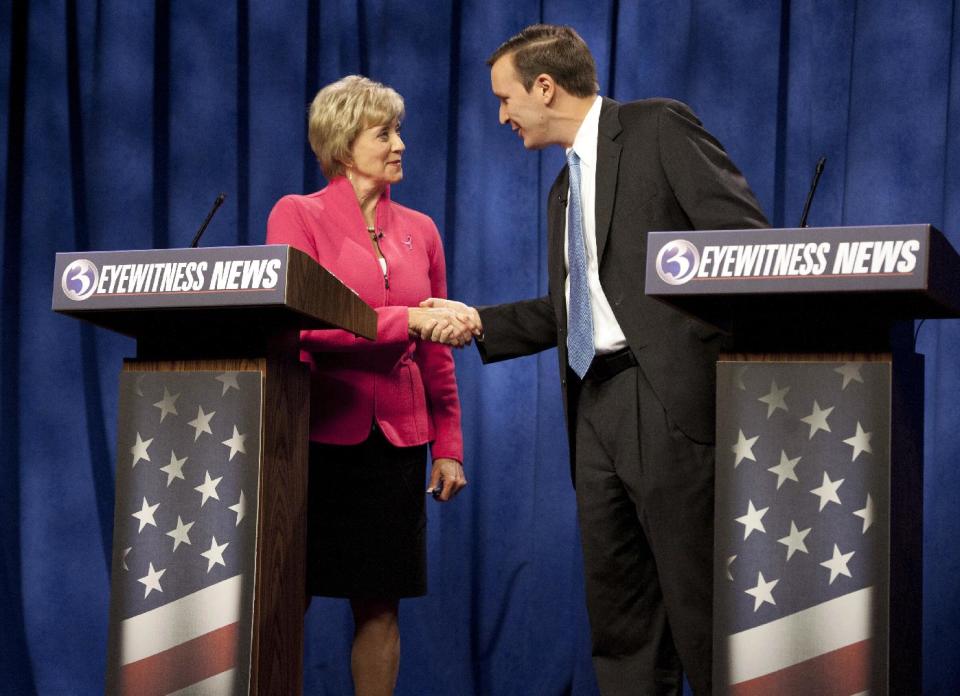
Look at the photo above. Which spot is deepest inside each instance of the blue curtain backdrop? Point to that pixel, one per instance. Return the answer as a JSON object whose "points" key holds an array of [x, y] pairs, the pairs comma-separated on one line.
{"points": [[120, 121]]}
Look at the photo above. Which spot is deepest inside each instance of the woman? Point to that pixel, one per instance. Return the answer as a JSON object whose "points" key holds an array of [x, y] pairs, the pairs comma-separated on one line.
{"points": [[375, 404]]}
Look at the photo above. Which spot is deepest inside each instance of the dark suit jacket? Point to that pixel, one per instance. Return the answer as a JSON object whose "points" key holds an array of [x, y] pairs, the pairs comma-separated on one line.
{"points": [[657, 169]]}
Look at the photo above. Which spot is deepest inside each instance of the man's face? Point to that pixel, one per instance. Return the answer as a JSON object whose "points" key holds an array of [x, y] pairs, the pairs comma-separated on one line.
{"points": [[524, 111]]}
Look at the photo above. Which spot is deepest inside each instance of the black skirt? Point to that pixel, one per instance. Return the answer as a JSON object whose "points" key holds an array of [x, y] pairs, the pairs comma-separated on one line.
{"points": [[367, 520]]}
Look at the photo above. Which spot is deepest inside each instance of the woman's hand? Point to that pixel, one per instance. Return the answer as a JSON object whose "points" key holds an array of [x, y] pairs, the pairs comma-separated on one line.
{"points": [[466, 315], [439, 324], [446, 479]]}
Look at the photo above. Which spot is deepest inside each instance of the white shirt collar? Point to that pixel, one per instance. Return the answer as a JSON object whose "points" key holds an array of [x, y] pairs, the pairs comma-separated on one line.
{"points": [[585, 142]]}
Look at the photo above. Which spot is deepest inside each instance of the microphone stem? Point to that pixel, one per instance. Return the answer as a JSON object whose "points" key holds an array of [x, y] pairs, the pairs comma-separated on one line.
{"points": [[813, 187], [216, 206]]}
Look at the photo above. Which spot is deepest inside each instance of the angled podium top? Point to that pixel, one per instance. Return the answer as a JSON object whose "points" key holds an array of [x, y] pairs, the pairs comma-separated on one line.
{"points": [[209, 294], [897, 271], [806, 281]]}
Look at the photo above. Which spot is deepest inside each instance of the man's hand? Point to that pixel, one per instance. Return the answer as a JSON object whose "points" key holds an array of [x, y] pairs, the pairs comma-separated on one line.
{"points": [[446, 479], [468, 316], [438, 324]]}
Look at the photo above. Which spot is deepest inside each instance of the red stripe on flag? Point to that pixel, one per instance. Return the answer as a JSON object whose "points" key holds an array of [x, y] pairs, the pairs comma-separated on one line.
{"points": [[841, 672], [182, 665]]}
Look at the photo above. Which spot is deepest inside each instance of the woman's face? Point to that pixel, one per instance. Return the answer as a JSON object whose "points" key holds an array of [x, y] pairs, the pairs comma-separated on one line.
{"points": [[376, 154]]}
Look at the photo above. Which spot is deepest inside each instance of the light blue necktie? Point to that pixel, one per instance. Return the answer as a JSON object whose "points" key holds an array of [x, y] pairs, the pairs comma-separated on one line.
{"points": [[580, 349]]}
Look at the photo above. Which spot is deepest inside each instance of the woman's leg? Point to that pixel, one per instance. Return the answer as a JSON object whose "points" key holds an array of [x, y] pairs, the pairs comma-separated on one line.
{"points": [[375, 659]]}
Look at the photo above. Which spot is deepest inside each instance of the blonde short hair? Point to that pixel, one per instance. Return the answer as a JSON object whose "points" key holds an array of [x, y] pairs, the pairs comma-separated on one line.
{"points": [[340, 111]]}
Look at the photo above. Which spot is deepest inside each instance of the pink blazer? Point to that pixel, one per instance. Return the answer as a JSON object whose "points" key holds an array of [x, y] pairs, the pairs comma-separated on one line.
{"points": [[406, 386]]}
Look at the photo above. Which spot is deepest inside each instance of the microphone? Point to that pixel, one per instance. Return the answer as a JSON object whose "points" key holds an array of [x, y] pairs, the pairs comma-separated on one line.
{"points": [[813, 188], [216, 206]]}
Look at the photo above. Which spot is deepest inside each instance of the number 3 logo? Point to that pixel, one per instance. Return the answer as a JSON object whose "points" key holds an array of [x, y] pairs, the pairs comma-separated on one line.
{"points": [[677, 262], [79, 279]]}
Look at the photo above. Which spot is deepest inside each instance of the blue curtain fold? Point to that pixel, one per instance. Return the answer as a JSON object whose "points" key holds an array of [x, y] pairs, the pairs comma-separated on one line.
{"points": [[120, 122]]}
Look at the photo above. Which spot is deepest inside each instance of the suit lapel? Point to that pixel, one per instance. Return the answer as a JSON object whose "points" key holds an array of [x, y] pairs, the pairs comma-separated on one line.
{"points": [[608, 165], [556, 223]]}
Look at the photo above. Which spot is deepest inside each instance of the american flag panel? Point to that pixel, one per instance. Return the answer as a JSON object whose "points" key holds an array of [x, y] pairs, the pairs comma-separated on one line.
{"points": [[184, 543], [802, 528]]}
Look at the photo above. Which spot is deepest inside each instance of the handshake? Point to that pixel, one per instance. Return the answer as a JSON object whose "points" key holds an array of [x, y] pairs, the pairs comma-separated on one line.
{"points": [[444, 321]]}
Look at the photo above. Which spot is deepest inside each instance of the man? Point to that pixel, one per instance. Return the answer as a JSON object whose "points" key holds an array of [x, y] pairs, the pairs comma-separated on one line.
{"points": [[637, 376]]}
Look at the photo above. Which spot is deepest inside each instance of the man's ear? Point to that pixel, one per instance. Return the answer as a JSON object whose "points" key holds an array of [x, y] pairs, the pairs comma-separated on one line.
{"points": [[544, 88]]}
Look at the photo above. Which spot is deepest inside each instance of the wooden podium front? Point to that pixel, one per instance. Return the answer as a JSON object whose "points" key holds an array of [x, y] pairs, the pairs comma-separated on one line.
{"points": [[207, 583], [819, 446]]}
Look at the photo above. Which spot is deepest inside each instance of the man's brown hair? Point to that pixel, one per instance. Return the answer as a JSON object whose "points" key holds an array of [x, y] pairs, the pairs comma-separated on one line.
{"points": [[555, 50]]}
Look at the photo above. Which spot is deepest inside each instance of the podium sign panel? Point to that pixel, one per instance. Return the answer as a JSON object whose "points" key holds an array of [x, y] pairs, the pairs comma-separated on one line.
{"points": [[217, 293], [213, 276], [897, 271]]}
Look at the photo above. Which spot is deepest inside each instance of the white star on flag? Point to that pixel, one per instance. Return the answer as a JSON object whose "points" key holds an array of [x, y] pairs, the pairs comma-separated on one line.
{"points": [[828, 491], [785, 469], [744, 448], [229, 380], [208, 488], [866, 513], [235, 443], [860, 441], [180, 534], [775, 399], [763, 592], [214, 554], [752, 520], [730, 560], [151, 580], [139, 450], [167, 404], [794, 540], [838, 564], [201, 423], [850, 372], [174, 469], [123, 558], [240, 508], [145, 515], [817, 420]]}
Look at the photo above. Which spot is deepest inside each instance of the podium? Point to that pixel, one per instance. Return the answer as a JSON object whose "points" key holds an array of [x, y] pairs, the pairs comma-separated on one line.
{"points": [[207, 580], [819, 446]]}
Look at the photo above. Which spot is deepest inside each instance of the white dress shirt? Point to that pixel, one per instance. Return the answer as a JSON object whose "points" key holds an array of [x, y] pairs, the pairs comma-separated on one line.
{"points": [[607, 336]]}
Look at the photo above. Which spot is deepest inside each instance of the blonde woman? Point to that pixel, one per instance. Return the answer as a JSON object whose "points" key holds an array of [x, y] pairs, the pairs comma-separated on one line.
{"points": [[376, 405]]}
